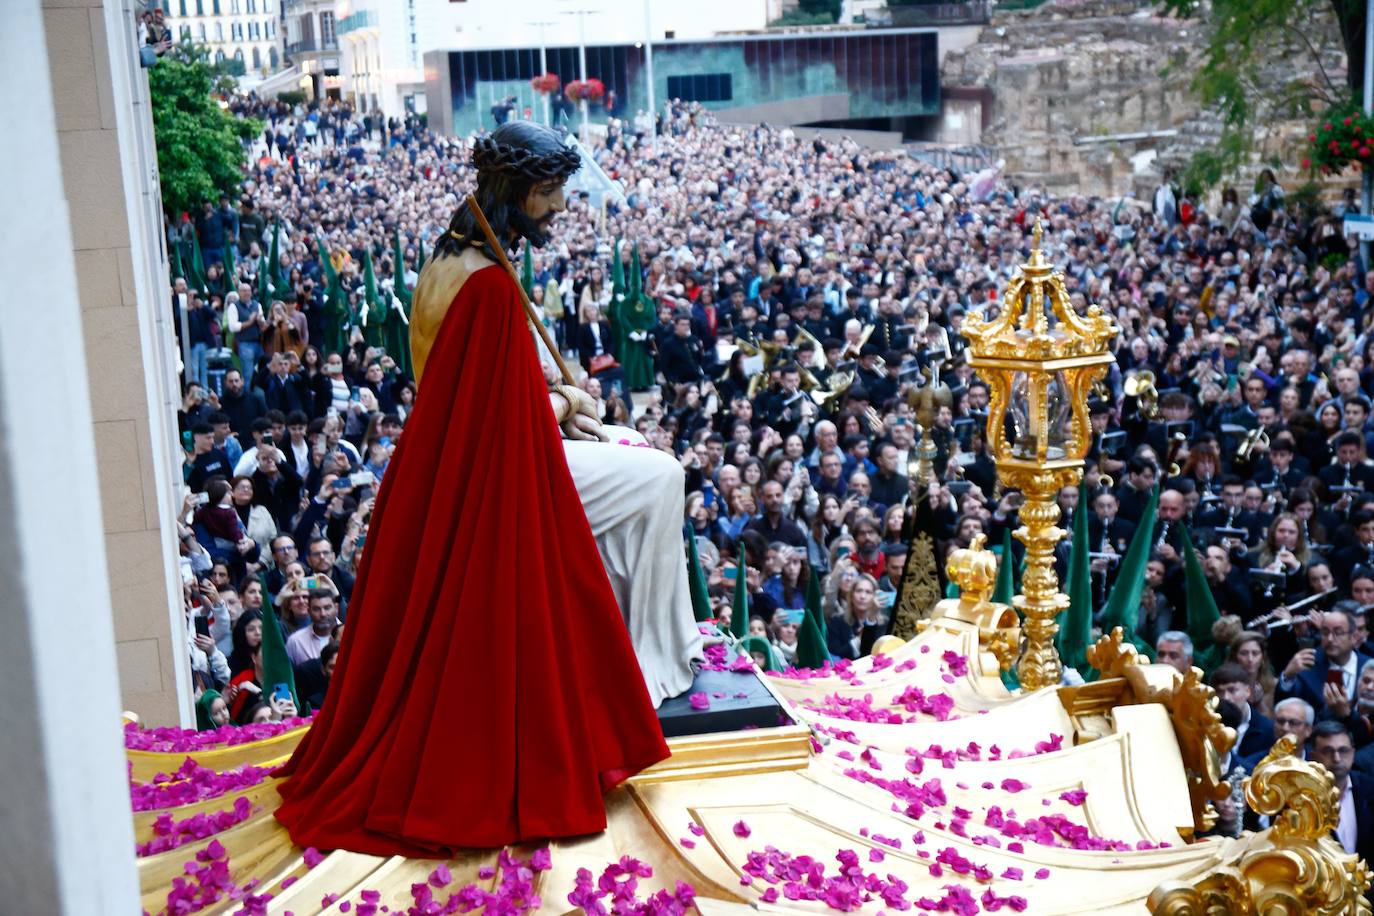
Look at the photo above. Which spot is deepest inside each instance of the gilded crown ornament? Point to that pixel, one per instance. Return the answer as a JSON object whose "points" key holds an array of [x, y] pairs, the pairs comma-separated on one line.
{"points": [[1040, 359]]}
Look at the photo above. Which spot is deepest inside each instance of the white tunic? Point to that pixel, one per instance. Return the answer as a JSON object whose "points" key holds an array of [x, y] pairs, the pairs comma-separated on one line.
{"points": [[633, 498]]}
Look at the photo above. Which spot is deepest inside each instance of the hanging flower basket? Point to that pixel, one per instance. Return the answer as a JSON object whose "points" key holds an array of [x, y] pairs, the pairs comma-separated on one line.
{"points": [[1343, 137], [585, 90], [547, 84]]}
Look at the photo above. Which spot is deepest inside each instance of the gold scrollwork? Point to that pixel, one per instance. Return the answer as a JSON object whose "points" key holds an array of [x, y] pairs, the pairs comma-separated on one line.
{"points": [[1294, 867], [1111, 655]]}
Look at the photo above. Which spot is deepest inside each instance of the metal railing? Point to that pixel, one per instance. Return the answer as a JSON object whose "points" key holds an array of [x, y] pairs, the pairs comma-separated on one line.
{"points": [[915, 15], [958, 158], [308, 45]]}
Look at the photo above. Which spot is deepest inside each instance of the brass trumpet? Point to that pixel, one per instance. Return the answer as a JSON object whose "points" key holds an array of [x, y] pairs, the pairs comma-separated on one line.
{"points": [[1141, 386], [1252, 438]]}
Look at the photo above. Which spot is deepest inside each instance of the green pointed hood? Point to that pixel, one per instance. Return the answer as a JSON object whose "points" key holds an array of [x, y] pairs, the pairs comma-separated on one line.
{"points": [[278, 281], [399, 271], [197, 278], [739, 608], [1075, 629], [696, 582], [276, 665], [369, 279], [527, 271], [811, 645], [264, 285], [1202, 609], [1005, 589], [1123, 604]]}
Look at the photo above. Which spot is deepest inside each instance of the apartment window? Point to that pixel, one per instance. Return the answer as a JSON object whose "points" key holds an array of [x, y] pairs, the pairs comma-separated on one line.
{"points": [[257, 59], [214, 7], [219, 31], [267, 6], [219, 56], [327, 28], [182, 7], [238, 54], [701, 87], [236, 31], [200, 7], [200, 32], [186, 33], [234, 7], [252, 6], [271, 28], [167, 7]]}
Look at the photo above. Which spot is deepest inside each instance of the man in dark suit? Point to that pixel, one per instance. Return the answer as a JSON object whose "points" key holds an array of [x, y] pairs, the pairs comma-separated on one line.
{"points": [[1313, 674], [1255, 734], [1333, 749]]}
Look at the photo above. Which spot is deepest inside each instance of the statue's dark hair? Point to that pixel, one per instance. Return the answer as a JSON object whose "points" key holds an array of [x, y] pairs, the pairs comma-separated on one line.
{"points": [[510, 161]]}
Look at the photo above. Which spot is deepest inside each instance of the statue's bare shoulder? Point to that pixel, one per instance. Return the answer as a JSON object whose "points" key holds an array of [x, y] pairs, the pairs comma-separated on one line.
{"points": [[439, 284]]}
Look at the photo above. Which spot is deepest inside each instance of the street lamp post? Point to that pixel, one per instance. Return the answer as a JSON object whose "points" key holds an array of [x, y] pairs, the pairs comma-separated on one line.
{"points": [[649, 65], [581, 14], [544, 63]]}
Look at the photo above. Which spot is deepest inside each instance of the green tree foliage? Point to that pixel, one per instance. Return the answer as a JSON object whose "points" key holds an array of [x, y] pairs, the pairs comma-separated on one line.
{"points": [[200, 153], [1241, 39], [810, 12]]}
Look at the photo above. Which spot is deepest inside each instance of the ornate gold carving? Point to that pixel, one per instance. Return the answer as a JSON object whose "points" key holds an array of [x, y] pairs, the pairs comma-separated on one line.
{"points": [[920, 587], [1041, 354], [1295, 867], [1040, 601], [1112, 655], [886, 645], [974, 570], [1203, 741]]}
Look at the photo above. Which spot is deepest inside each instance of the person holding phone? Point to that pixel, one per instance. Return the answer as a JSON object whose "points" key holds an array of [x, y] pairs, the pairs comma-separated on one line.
{"points": [[1320, 676]]}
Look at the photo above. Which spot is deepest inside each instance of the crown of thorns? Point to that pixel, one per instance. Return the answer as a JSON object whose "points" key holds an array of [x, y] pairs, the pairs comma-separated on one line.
{"points": [[516, 161]]}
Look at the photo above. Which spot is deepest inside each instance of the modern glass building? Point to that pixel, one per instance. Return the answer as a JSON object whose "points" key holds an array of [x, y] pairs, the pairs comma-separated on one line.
{"points": [[874, 77]]}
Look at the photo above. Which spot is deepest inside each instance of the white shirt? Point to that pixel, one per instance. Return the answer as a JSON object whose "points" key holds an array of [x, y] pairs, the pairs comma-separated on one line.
{"points": [[1349, 672], [304, 644], [1346, 829]]}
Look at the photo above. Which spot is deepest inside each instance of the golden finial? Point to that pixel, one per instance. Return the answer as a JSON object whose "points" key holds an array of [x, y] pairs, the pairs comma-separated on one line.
{"points": [[1036, 234], [973, 569]]}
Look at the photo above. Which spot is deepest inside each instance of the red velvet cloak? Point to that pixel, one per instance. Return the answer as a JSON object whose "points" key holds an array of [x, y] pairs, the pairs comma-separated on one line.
{"points": [[486, 690]]}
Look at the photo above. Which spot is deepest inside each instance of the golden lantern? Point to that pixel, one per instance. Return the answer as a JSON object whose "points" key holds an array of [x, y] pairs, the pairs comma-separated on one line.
{"points": [[1040, 359]]}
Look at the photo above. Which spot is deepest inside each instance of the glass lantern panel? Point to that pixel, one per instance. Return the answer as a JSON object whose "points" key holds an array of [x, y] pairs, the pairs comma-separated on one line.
{"points": [[1020, 429], [1060, 413]]}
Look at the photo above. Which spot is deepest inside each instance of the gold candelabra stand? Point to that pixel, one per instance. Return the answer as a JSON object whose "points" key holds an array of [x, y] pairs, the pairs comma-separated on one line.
{"points": [[1040, 359]]}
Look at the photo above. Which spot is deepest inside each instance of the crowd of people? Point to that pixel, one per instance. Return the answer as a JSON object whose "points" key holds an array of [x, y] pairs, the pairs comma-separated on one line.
{"points": [[789, 293]]}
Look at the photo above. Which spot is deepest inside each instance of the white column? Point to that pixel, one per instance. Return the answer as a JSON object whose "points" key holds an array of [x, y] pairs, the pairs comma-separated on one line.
{"points": [[67, 842]]}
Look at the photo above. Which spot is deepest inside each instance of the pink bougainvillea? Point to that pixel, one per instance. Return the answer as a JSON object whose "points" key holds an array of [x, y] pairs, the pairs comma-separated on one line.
{"points": [[188, 740], [192, 783]]}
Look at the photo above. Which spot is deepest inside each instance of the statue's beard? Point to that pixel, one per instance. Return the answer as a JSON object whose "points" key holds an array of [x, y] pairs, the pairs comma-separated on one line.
{"points": [[531, 229]]}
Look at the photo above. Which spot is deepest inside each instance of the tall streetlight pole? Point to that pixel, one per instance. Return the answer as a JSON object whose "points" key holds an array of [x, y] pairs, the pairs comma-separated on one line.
{"points": [[1367, 177], [544, 63], [649, 67], [581, 14]]}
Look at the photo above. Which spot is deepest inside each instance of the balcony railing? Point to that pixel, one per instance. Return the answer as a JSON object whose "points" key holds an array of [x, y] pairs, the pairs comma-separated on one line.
{"points": [[311, 45], [917, 14]]}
